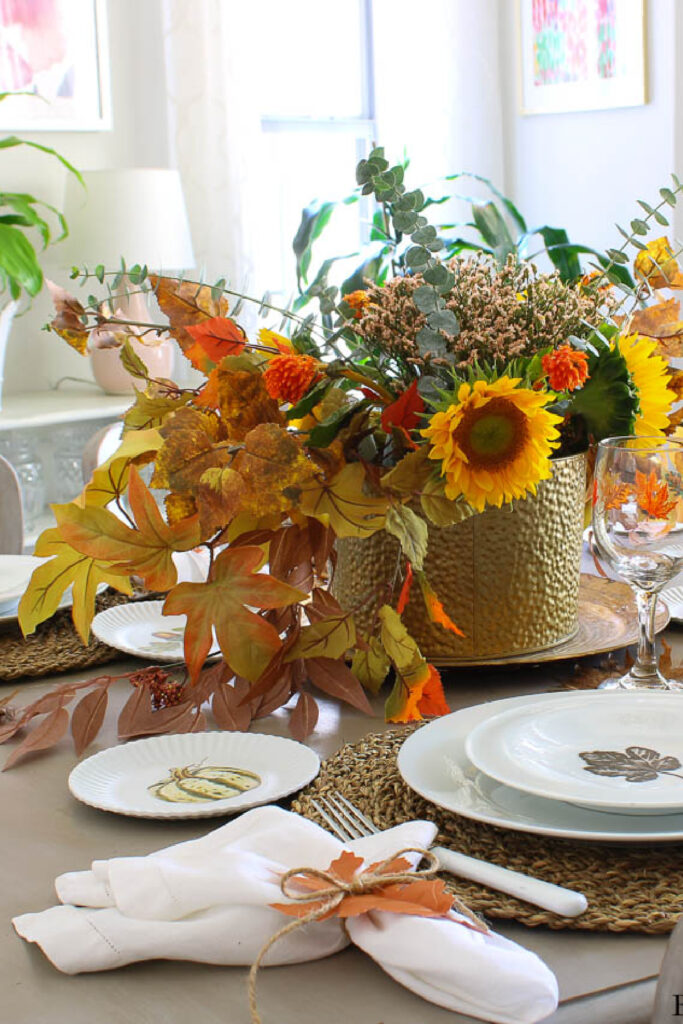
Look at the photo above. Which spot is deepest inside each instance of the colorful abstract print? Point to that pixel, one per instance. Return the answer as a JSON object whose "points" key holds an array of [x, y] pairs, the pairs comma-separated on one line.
{"points": [[570, 37]]}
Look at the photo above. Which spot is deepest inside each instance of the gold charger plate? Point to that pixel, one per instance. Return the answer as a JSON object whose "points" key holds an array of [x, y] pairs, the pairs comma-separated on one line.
{"points": [[608, 620]]}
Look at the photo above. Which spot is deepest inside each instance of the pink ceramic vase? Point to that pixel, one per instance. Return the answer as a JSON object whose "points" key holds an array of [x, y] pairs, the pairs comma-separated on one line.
{"points": [[109, 373]]}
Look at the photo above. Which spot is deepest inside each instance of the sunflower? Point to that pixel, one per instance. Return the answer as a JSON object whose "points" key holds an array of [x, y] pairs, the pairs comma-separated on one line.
{"points": [[649, 376], [494, 443]]}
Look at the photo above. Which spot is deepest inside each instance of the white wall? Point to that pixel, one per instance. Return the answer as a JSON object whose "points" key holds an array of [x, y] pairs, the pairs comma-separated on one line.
{"points": [[139, 138], [585, 171]]}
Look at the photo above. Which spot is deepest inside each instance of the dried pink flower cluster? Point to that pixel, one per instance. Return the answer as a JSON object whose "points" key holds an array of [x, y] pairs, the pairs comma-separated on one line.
{"points": [[503, 312]]}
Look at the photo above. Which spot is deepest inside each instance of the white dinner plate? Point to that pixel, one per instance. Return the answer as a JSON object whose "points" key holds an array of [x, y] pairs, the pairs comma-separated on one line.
{"points": [[141, 629], [186, 775], [15, 573], [433, 762], [614, 751]]}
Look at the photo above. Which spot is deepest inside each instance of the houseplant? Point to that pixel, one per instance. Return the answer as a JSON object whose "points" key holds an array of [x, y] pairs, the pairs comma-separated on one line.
{"points": [[24, 220], [388, 421]]}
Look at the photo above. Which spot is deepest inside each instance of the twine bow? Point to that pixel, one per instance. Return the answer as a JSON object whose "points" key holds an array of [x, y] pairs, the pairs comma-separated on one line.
{"points": [[328, 898]]}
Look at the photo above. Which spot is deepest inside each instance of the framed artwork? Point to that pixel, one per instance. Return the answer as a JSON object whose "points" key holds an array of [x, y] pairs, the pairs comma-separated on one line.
{"points": [[581, 54], [55, 53]]}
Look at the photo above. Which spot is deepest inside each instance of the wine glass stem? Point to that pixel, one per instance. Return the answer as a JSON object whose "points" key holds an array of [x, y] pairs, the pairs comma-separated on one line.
{"points": [[646, 661]]}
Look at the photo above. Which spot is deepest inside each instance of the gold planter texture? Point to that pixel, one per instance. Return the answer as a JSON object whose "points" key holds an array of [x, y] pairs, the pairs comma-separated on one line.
{"points": [[509, 578]]}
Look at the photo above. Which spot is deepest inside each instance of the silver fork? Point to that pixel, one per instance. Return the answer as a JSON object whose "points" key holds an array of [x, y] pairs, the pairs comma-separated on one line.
{"points": [[347, 823]]}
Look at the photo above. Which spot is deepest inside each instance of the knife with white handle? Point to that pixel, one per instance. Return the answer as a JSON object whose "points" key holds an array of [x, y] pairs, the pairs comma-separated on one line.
{"points": [[555, 898]]}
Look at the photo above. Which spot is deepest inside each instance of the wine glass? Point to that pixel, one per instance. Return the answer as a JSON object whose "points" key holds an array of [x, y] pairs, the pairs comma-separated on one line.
{"points": [[637, 506]]}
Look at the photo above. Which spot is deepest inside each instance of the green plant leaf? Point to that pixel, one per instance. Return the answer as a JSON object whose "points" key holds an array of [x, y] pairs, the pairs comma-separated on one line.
{"points": [[18, 260], [562, 254], [313, 221]]}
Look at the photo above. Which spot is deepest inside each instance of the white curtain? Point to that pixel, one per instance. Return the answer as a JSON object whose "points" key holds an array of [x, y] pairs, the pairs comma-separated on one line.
{"points": [[214, 130]]}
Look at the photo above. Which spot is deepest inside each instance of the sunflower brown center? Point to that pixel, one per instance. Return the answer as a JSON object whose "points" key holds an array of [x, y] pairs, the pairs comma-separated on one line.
{"points": [[493, 435]]}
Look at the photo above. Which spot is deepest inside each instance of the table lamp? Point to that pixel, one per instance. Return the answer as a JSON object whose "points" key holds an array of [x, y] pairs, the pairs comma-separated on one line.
{"points": [[138, 214]]}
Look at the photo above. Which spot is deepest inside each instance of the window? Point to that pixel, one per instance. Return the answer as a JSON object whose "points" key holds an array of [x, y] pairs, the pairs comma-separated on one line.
{"points": [[315, 80]]}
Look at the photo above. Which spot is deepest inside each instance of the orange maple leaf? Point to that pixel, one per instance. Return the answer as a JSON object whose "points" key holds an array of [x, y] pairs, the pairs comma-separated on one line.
{"points": [[614, 494], [220, 336], [653, 495], [247, 641], [421, 898], [146, 551]]}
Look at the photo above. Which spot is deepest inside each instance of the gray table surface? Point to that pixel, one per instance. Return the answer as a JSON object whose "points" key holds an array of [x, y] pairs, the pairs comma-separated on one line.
{"points": [[603, 978]]}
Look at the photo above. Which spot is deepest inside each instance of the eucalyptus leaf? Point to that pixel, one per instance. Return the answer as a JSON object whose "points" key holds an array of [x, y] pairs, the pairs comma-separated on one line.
{"points": [[427, 299], [444, 320]]}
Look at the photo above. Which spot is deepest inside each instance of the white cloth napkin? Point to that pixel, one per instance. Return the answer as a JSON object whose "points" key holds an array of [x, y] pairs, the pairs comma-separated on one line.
{"points": [[208, 900]]}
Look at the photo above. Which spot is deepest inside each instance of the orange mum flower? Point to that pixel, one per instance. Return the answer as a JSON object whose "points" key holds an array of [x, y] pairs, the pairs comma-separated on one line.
{"points": [[566, 368], [288, 378], [357, 300], [653, 496]]}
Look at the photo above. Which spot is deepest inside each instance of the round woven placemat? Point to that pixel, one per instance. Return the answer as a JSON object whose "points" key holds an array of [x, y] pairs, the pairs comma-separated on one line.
{"points": [[56, 646], [629, 889]]}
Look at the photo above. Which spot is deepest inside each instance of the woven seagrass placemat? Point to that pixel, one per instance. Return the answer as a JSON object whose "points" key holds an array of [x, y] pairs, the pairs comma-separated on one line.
{"points": [[637, 889], [56, 646]]}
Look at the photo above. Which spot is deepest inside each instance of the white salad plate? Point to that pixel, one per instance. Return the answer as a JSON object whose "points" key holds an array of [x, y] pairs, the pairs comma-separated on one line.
{"points": [[186, 775], [614, 751], [142, 630], [15, 573], [433, 762]]}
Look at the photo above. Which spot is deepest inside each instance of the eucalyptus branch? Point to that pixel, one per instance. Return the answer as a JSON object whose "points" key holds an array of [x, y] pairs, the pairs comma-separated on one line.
{"points": [[639, 227]]}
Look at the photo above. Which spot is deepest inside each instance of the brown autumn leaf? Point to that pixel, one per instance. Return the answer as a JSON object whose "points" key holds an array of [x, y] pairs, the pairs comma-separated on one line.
{"points": [[221, 495], [322, 546], [136, 704], [186, 303], [143, 720], [193, 443], [243, 400], [87, 718], [227, 709], [274, 468], [48, 732], [279, 693], [335, 679], [322, 605], [290, 557], [146, 551], [178, 507], [304, 717]]}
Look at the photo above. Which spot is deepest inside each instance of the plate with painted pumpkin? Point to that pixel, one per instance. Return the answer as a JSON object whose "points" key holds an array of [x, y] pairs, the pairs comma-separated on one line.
{"points": [[193, 775]]}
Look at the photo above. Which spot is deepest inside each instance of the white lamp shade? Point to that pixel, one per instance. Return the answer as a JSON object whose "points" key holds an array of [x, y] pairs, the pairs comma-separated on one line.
{"points": [[138, 214]]}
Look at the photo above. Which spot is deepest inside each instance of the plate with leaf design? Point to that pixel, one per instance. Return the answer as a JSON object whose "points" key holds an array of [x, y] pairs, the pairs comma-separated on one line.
{"points": [[620, 752]]}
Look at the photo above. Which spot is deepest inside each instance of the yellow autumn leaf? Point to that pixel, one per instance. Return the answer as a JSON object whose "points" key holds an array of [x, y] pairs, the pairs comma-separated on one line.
{"points": [[657, 265], [66, 568], [410, 475], [410, 531], [370, 667], [327, 638], [343, 504], [439, 509], [111, 478], [400, 646]]}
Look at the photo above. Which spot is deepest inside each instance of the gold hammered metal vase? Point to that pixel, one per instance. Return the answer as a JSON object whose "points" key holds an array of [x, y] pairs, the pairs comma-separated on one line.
{"points": [[509, 578]]}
